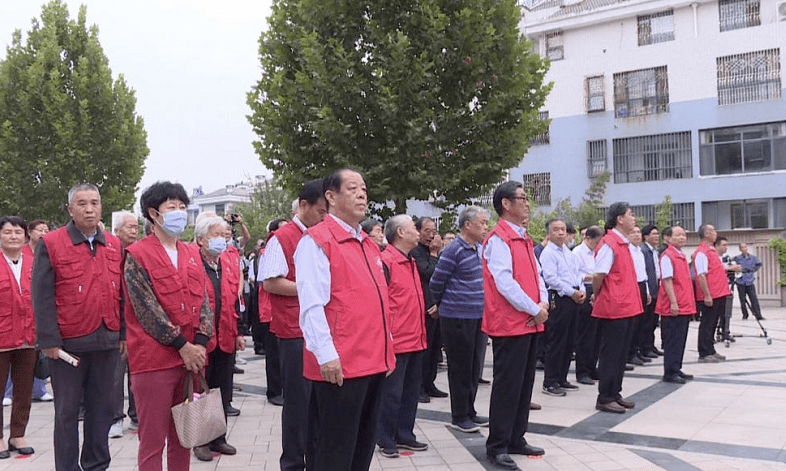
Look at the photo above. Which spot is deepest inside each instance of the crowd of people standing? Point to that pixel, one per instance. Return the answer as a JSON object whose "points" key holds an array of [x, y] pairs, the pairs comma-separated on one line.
{"points": [[352, 314]]}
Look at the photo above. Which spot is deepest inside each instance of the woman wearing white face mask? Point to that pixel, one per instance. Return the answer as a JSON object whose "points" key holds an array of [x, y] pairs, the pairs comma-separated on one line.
{"points": [[169, 322], [224, 288]]}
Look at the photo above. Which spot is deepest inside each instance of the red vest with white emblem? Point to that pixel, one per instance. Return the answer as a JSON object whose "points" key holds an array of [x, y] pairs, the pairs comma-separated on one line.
{"points": [[619, 295], [286, 309]]}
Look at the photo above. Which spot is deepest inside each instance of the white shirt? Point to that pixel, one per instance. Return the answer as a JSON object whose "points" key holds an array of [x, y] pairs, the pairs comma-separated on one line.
{"points": [[274, 265], [172, 255], [313, 291], [560, 270], [638, 264], [666, 268], [605, 258], [701, 263], [500, 264], [16, 269], [585, 260]]}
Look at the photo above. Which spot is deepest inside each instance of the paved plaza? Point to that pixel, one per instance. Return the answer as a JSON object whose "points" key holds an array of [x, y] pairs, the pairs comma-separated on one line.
{"points": [[732, 416]]}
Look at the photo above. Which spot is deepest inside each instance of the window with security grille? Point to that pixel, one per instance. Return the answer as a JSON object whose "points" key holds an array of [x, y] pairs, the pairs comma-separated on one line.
{"points": [[682, 214], [641, 92], [542, 139], [555, 50], [748, 77], [596, 158], [656, 28], [737, 14], [539, 186], [652, 158], [743, 149], [595, 94]]}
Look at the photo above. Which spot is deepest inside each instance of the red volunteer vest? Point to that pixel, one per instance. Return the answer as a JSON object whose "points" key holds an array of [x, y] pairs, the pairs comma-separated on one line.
{"points": [[407, 306], [500, 318], [17, 321], [286, 309], [619, 296], [717, 282], [180, 291], [27, 252], [357, 313], [87, 287], [227, 319], [683, 286]]}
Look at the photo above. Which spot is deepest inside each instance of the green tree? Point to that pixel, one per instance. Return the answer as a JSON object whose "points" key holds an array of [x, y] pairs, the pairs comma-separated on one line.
{"points": [[426, 98], [268, 202], [663, 214], [64, 120]]}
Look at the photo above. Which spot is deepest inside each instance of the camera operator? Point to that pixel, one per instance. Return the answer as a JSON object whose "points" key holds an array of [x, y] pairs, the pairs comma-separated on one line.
{"points": [[234, 220]]}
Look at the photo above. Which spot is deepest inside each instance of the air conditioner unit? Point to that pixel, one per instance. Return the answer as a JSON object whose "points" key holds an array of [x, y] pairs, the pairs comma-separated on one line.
{"points": [[780, 12]]}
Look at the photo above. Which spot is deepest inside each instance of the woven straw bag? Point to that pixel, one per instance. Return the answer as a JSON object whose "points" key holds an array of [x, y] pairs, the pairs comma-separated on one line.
{"points": [[202, 421]]}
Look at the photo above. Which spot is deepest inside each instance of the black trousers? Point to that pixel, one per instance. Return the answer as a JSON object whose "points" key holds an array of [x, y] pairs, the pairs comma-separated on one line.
{"points": [[120, 375], [400, 401], [347, 418], [294, 415], [724, 320], [463, 340], [750, 292], [587, 340], [675, 334], [560, 328], [634, 338], [646, 337], [68, 386], [272, 362], [219, 373], [511, 391], [433, 354], [709, 320], [615, 337]]}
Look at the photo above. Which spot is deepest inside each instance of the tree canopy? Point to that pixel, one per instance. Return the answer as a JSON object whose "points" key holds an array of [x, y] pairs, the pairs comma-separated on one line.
{"points": [[429, 99], [64, 120]]}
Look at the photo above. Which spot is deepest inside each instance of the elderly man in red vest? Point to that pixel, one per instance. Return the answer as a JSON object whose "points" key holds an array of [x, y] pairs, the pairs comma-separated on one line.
{"points": [[515, 309], [76, 299], [408, 310], [346, 324], [712, 288], [617, 300], [676, 307], [278, 274]]}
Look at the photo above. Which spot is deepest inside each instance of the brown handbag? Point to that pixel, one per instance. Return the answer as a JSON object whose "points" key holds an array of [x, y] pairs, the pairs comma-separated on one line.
{"points": [[202, 421]]}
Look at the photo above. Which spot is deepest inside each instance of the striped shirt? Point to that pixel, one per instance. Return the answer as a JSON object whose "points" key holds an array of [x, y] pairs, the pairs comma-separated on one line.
{"points": [[457, 283]]}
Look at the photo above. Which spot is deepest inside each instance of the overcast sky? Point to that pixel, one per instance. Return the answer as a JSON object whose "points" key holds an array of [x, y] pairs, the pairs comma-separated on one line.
{"points": [[191, 63]]}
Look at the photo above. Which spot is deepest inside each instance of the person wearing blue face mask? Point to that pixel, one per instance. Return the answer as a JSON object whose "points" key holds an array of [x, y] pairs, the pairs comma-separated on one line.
{"points": [[224, 289], [169, 322]]}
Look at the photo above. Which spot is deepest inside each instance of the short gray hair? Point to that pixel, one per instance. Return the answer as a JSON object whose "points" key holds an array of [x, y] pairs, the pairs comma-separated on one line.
{"points": [[469, 214], [204, 224], [82, 187], [119, 219], [393, 224]]}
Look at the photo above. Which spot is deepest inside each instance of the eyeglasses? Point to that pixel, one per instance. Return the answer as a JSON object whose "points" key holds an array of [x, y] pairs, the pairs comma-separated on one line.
{"points": [[517, 198]]}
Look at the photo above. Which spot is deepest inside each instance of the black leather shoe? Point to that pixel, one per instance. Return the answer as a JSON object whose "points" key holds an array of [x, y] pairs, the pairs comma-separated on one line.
{"points": [[650, 354], [527, 450], [628, 367], [483, 381], [423, 398], [643, 358], [276, 400], [231, 411], [5, 454], [635, 360], [203, 453], [673, 379], [585, 380], [657, 352], [503, 460], [223, 448], [25, 450], [685, 376], [238, 371], [436, 393]]}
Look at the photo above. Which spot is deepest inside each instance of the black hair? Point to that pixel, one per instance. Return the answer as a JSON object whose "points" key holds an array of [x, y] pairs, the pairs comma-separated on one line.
{"points": [[313, 191], [719, 240], [275, 224], [422, 220], [703, 230], [569, 228], [616, 210], [506, 190], [159, 193], [593, 232], [369, 224], [648, 228], [14, 221], [667, 232], [33, 224]]}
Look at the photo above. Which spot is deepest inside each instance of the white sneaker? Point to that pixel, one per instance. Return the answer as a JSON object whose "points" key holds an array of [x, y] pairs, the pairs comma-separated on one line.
{"points": [[6, 401], [46, 398], [116, 430]]}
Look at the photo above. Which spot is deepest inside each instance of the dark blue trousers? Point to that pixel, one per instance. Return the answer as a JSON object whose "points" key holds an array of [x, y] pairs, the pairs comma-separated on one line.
{"points": [[400, 401]]}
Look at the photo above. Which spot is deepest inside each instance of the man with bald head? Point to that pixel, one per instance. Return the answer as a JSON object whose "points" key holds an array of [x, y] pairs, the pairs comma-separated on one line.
{"points": [[346, 324]]}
